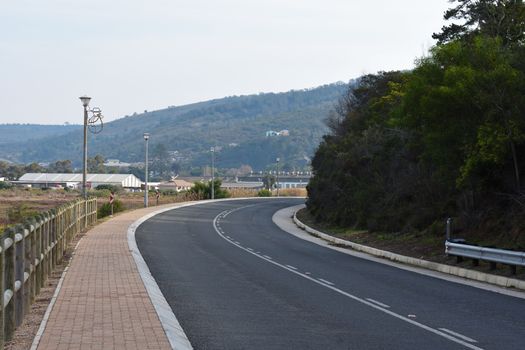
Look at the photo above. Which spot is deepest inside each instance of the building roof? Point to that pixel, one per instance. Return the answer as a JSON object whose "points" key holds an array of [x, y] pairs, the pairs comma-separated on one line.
{"points": [[242, 184], [176, 183], [50, 177]]}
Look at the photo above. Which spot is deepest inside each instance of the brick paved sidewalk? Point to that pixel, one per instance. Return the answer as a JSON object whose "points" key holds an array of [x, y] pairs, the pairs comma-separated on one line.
{"points": [[103, 303]]}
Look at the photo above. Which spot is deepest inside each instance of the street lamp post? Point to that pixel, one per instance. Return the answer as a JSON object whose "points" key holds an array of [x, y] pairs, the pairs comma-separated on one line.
{"points": [[146, 138], [212, 172], [85, 102], [277, 176]]}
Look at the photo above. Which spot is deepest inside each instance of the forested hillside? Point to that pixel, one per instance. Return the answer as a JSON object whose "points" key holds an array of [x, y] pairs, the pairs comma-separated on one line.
{"points": [[409, 149], [10, 133], [237, 125]]}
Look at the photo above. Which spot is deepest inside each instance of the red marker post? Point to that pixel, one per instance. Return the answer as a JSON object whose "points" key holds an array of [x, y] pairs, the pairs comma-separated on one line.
{"points": [[111, 200]]}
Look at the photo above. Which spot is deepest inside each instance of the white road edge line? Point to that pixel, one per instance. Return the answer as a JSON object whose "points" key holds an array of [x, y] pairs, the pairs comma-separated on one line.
{"points": [[378, 303], [292, 267], [353, 297], [458, 335], [174, 332], [325, 281], [267, 257]]}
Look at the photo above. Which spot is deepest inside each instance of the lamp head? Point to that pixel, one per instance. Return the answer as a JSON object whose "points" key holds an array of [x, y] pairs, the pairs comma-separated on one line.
{"points": [[146, 136], [85, 100]]}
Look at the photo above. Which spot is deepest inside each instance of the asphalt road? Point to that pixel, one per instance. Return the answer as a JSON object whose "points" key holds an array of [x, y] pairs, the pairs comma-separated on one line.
{"points": [[236, 281]]}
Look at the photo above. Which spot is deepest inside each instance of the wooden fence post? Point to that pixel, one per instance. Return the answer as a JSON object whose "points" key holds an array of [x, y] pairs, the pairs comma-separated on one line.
{"points": [[9, 266], [18, 295], [2, 290], [28, 267], [30, 252]]}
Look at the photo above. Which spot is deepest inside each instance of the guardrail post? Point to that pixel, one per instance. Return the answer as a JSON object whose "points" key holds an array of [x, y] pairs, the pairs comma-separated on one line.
{"points": [[18, 295], [9, 307], [449, 224]]}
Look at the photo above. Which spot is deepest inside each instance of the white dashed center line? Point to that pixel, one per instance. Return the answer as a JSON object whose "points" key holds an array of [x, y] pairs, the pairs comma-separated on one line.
{"points": [[378, 303], [461, 336], [443, 332], [325, 281]]}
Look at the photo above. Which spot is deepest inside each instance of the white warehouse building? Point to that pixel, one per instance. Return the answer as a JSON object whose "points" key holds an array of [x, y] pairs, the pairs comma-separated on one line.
{"points": [[40, 180]]}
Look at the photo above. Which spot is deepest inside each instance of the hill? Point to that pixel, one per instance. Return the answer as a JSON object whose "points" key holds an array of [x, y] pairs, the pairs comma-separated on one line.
{"points": [[14, 133], [237, 125]]}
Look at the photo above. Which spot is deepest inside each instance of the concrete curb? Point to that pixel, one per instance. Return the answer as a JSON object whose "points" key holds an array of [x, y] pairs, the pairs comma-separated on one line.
{"points": [[174, 332], [500, 281]]}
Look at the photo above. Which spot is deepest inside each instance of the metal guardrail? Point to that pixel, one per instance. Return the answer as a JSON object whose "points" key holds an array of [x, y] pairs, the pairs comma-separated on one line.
{"points": [[28, 254], [507, 257]]}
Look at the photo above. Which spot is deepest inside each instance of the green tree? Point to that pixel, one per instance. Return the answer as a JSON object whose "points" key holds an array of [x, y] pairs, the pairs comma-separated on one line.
{"points": [[160, 165], [96, 165], [466, 104], [203, 190], [61, 166], [504, 19], [34, 168]]}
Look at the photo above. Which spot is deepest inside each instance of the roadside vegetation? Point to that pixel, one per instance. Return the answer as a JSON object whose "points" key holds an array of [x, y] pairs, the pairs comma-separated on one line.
{"points": [[17, 204], [408, 149]]}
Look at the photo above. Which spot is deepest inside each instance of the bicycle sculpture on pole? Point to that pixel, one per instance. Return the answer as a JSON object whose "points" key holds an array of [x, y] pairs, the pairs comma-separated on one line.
{"points": [[95, 125]]}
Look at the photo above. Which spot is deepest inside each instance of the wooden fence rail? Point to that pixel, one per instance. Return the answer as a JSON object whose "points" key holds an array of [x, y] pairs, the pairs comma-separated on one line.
{"points": [[28, 254]]}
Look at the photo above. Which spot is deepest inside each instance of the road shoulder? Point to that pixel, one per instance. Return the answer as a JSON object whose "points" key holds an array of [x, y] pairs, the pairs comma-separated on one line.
{"points": [[284, 218]]}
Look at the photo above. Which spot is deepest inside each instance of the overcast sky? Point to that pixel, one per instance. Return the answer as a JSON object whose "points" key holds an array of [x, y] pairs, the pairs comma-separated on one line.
{"points": [[131, 55]]}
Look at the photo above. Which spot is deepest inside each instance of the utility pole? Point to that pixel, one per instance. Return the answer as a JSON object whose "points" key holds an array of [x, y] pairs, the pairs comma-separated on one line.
{"points": [[146, 189], [212, 172], [85, 102], [277, 176]]}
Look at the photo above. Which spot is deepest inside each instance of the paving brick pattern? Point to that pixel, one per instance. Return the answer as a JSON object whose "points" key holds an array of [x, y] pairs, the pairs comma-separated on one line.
{"points": [[103, 303]]}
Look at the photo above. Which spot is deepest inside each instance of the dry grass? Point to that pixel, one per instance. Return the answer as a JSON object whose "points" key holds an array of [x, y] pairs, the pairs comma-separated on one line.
{"points": [[242, 192], [292, 192], [17, 204]]}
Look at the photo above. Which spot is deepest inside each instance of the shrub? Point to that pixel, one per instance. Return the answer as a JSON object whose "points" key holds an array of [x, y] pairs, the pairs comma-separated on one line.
{"points": [[111, 188], [5, 185], [264, 193], [19, 212], [105, 209]]}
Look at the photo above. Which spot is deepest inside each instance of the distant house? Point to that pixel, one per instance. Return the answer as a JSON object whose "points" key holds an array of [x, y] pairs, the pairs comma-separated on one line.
{"points": [[49, 180], [116, 163], [271, 133], [285, 181], [175, 184], [255, 185]]}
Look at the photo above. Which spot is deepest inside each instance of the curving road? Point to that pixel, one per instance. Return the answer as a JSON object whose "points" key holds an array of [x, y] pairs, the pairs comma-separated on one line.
{"points": [[237, 281]]}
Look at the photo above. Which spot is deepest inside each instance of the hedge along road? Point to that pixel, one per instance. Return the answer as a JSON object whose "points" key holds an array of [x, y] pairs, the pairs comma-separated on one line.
{"points": [[236, 281]]}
